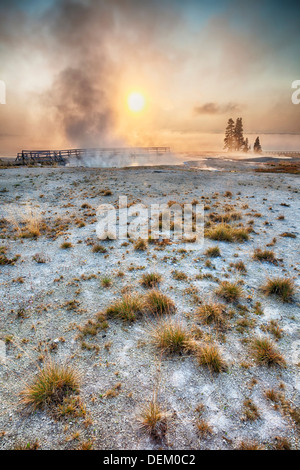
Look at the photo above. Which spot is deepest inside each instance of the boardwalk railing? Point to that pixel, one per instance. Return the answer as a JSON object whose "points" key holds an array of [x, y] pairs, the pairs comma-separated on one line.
{"points": [[283, 152], [28, 157]]}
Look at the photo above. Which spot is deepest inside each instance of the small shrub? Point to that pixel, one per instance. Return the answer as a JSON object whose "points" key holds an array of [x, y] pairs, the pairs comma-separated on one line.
{"points": [[229, 291], [264, 352], [284, 288]]}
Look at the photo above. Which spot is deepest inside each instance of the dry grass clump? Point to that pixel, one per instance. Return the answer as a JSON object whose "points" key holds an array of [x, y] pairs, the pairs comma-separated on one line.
{"points": [[239, 266], [5, 261], [151, 280], [32, 224], [213, 252], [27, 445], [51, 386], [282, 287], [203, 428], [230, 291], [171, 337], [66, 245], [249, 445], [225, 218], [273, 328], [265, 352], [153, 419], [106, 281], [272, 395], [98, 248], [27, 224], [212, 313], [158, 303], [128, 308], [91, 327], [281, 443], [226, 233], [179, 275], [250, 410], [210, 356], [140, 245], [264, 255], [40, 258], [288, 235]]}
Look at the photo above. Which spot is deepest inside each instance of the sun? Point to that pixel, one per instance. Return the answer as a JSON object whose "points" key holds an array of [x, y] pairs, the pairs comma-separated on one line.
{"points": [[136, 102]]}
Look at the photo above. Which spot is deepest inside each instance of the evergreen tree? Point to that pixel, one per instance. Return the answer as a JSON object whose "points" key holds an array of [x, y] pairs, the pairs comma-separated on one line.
{"points": [[246, 146], [229, 141], [239, 136], [257, 147]]}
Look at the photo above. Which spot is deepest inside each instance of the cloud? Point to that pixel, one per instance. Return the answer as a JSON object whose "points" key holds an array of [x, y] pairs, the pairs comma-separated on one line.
{"points": [[215, 108]]}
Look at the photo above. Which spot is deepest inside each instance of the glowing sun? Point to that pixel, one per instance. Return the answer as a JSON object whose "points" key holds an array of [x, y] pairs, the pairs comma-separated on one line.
{"points": [[136, 102]]}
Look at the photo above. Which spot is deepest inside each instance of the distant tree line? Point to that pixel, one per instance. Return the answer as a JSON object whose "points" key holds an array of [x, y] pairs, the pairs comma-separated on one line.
{"points": [[234, 138]]}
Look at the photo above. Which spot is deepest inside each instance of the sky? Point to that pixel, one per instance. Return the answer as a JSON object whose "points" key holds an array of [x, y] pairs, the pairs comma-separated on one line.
{"points": [[70, 65]]}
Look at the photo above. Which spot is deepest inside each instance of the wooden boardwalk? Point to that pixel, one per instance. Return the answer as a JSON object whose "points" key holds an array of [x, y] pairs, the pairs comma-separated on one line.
{"points": [[61, 157]]}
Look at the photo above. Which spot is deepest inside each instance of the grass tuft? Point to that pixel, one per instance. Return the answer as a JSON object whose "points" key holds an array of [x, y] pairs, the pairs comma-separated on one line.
{"points": [[264, 255], [210, 356], [153, 419], [226, 233], [151, 280], [158, 303], [140, 245], [51, 386], [265, 352], [283, 287], [171, 337], [212, 313], [213, 252], [230, 291], [128, 308]]}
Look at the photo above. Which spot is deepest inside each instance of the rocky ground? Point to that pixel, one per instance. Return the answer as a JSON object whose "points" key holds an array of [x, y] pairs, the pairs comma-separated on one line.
{"points": [[45, 301]]}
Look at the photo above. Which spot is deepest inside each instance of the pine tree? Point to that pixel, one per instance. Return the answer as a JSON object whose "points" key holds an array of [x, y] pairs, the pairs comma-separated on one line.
{"points": [[246, 146], [257, 147], [239, 136], [229, 141]]}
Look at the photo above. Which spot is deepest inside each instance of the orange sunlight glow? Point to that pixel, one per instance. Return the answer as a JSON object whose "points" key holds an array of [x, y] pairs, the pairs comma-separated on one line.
{"points": [[136, 102]]}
